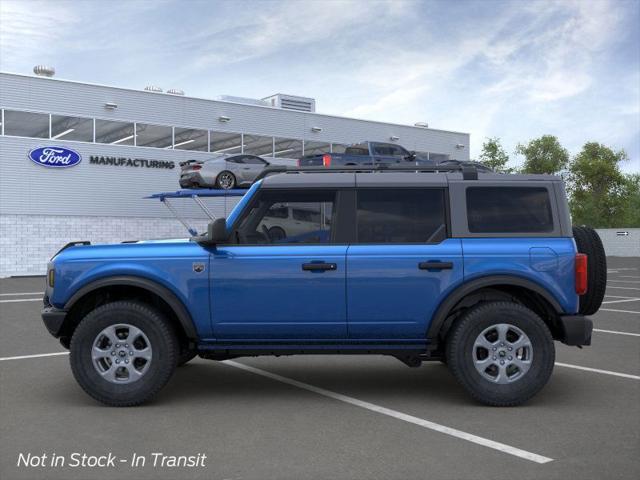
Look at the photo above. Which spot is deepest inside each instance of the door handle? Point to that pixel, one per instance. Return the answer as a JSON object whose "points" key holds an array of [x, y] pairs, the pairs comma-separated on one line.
{"points": [[435, 265], [319, 266]]}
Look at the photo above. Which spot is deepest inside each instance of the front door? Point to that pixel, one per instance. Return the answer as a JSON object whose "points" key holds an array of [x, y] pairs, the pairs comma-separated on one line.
{"points": [[282, 278], [402, 264]]}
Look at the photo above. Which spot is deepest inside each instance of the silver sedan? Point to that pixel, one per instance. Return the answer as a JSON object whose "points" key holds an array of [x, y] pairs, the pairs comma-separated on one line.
{"points": [[224, 171]]}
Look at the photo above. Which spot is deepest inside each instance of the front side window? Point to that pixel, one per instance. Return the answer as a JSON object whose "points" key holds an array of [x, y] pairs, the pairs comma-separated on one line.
{"points": [[401, 215], [281, 217], [509, 210], [251, 160]]}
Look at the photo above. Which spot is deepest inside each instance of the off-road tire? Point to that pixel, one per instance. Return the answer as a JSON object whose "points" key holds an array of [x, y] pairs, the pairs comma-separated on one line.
{"points": [[163, 342], [460, 346], [588, 242]]}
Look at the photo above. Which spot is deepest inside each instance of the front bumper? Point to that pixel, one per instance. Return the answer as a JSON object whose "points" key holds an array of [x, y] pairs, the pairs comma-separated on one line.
{"points": [[53, 319], [575, 330]]}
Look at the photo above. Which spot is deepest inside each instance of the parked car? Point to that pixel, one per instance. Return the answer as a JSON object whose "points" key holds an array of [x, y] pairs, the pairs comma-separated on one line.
{"points": [[366, 153], [480, 271], [224, 171]]}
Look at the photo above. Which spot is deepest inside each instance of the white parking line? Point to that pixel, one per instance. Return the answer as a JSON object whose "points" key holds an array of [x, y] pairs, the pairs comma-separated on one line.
{"points": [[485, 442], [22, 300], [623, 281], [622, 288], [616, 332], [22, 357], [596, 370], [17, 294], [621, 301], [619, 311], [629, 276], [616, 296]]}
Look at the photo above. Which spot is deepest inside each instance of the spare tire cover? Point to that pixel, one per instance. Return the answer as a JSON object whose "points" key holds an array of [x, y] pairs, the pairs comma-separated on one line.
{"points": [[588, 242]]}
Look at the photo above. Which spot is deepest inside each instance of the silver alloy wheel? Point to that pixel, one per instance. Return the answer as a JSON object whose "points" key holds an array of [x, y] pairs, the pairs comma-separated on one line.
{"points": [[121, 353], [226, 180], [502, 353]]}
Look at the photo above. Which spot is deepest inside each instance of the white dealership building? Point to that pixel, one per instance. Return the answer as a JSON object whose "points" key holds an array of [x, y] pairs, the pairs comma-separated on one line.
{"points": [[129, 144]]}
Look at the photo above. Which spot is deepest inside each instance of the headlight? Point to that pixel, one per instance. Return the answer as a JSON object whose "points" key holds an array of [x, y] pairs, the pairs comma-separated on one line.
{"points": [[51, 277]]}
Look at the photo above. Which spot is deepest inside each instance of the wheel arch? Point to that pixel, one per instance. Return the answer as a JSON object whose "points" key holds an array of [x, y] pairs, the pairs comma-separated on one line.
{"points": [[128, 286], [481, 289]]}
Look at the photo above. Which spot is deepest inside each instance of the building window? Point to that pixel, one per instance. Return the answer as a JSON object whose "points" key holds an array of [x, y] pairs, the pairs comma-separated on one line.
{"points": [[227, 143], [71, 128], [287, 148], [258, 145], [156, 136], [316, 148], [115, 133], [509, 210], [26, 124], [191, 139], [401, 216]]}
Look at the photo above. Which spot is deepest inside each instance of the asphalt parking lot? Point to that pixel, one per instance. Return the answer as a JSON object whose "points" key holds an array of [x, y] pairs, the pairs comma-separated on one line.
{"points": [[329, 417]]}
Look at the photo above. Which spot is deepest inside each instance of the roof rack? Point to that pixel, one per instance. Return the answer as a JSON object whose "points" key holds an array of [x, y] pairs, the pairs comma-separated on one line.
{"points": [[469, 172]]}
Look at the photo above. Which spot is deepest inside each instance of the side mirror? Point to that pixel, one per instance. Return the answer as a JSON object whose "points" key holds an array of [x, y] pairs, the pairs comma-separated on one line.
{"points": [[217, 231]]}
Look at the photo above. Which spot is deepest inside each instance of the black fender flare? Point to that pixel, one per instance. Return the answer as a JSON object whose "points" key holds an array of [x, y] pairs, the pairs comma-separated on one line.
{"points": [[178, 307], [442, 312]]}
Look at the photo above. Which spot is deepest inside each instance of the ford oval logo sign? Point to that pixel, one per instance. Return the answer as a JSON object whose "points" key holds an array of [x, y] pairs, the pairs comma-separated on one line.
{"points": [[55, 157]]}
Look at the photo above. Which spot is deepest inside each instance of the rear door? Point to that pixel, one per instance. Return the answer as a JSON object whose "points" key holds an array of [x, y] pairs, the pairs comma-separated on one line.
{"points": [[403, 262]]}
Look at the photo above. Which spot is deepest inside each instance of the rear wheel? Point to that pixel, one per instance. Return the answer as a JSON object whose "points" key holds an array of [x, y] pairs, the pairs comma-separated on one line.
{"points": [[501, 352], [123, 353], [588, 242], [225, 180]]}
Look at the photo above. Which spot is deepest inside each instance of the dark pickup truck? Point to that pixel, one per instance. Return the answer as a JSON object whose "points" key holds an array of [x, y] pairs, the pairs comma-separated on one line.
{"points": [[366, 153]]}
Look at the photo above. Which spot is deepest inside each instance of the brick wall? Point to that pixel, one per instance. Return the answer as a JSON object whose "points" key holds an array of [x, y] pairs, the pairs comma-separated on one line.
{"points": [[27, 242]]}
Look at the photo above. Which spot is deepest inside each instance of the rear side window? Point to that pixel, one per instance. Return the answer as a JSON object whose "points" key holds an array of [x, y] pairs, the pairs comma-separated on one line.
{"points": [[401, 216], [509, 210]]}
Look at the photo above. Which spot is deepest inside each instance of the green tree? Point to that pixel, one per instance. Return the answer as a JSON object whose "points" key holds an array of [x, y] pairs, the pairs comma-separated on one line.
{"points": [[494, 156], [631, 209], [543, 155], [601, 195]]}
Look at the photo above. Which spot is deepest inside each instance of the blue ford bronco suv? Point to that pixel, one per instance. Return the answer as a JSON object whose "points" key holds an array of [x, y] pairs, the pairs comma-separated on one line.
{"points": [[480, 271]]}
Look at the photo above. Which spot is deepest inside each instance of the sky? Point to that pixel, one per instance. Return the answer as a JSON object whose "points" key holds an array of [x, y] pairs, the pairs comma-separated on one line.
{"points": [[509, 69]]}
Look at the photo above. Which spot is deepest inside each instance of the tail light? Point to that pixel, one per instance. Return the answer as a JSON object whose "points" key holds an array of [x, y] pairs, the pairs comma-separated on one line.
{"points": [[299, 162], [326, 160], [581, 274], [196, 167]]}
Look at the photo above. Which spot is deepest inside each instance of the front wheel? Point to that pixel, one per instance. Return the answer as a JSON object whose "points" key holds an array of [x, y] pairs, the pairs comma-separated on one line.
{"points": [[123, 353], [501, 352]]}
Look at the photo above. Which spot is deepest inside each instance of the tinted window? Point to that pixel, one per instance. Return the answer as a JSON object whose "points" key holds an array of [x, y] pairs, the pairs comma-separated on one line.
{"points": [[71, 128], [254, 160], [390, 150], [113, 132], [239, 159], [191, 139], [268, 221], [509, 210], [401, 216], [157, 136], [26, 124]]}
